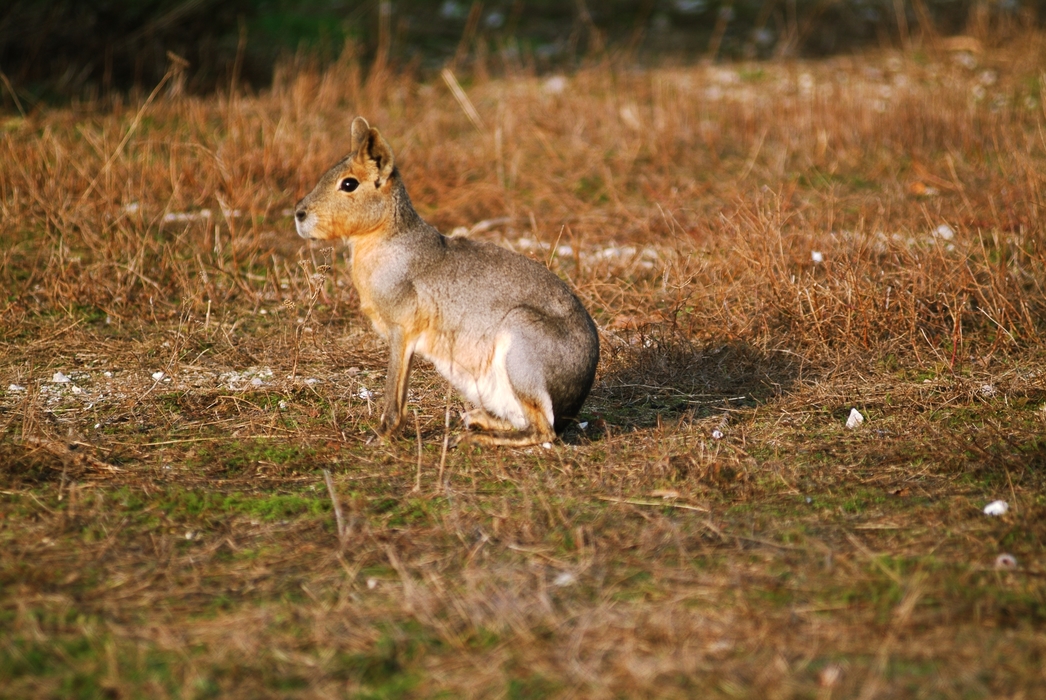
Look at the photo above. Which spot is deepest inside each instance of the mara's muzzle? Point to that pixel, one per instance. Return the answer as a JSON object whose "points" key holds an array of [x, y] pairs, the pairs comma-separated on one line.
{"points": [[304, 222]]}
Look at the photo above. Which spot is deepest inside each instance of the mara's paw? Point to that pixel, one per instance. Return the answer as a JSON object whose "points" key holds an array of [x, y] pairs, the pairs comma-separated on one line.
{"points": [[506, 438], [389, 426], [479, 420]]}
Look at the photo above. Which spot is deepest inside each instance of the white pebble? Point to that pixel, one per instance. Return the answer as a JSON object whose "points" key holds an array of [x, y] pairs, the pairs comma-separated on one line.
{"points": [[855, 419], [365, 393], [59, 378], [944, 231], [564, 578], [830, 676], [717, 434], [372, 583], [158, 376], [817, 256], [583, 425], [15, 388], [555, 85], [996, 508]]}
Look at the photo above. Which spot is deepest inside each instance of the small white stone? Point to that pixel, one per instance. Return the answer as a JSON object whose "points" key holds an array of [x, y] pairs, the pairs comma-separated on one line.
{"points": [[583, 425], [829, 676], [59, 378], [988, 77], [15, 388], [987, 390], [717, 434], [547, 445], [855, 419], [77, 390], [817, 256], [107, 374], [966, 60], [555, 85], [564, 578], [372, 583], [256, 381], [189, 535], [365, 393], [996, 508], [944, 231], [158, 376]]}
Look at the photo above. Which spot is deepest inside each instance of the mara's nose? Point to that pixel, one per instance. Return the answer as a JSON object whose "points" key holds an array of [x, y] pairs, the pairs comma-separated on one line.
{"points": [[301, 214]]}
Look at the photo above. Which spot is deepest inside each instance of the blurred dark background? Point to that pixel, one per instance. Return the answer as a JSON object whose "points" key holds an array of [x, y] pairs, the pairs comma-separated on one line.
{"points": [[60, 50]]}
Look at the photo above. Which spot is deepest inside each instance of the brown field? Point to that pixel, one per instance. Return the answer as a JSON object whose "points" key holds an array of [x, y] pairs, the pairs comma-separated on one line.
{"points": [[764, 248]]}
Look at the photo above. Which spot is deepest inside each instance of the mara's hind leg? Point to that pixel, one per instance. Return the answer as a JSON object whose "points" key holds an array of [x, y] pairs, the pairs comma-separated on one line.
{"points": [[499, 432]]}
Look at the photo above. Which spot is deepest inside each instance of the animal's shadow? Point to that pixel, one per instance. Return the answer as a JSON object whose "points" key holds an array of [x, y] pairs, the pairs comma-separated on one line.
{"points": [[652, 376]]}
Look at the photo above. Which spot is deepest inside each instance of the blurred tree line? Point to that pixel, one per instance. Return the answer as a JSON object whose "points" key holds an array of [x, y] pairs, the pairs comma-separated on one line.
{"points": [[61, 49]]}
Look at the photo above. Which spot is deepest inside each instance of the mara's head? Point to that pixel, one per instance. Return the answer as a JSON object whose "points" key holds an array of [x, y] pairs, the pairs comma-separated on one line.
{"points": [[354, 197]]}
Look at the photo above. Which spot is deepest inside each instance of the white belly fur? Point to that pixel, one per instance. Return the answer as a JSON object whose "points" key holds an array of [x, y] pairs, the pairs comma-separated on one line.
{"points": [[483, 383]]}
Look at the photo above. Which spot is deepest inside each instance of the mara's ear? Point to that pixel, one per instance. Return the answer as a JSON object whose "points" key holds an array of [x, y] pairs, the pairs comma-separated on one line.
{"points": [[374, 148], [359, 131]]}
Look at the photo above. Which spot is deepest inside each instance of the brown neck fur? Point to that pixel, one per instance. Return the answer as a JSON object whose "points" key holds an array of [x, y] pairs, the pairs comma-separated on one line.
{"points": [[404, 216]]}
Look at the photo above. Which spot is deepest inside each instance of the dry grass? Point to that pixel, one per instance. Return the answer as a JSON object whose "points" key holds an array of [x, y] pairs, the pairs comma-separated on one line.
{"points": [[173, 535]]}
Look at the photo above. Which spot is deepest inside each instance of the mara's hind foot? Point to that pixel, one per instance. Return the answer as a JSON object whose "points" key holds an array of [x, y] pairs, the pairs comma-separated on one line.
{"points": [[478, 419], [485, 429], [508, 438]]}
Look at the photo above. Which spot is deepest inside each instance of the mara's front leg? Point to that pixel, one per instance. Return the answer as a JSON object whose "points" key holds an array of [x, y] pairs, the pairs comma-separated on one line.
{"points": [[401, 356]]}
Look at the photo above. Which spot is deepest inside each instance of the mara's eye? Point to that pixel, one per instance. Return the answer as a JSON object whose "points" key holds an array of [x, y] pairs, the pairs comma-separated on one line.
{"points": [[349, 184]]}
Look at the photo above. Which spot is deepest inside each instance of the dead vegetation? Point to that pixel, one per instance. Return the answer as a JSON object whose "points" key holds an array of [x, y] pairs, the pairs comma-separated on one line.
{"points": [[765, 247]]}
